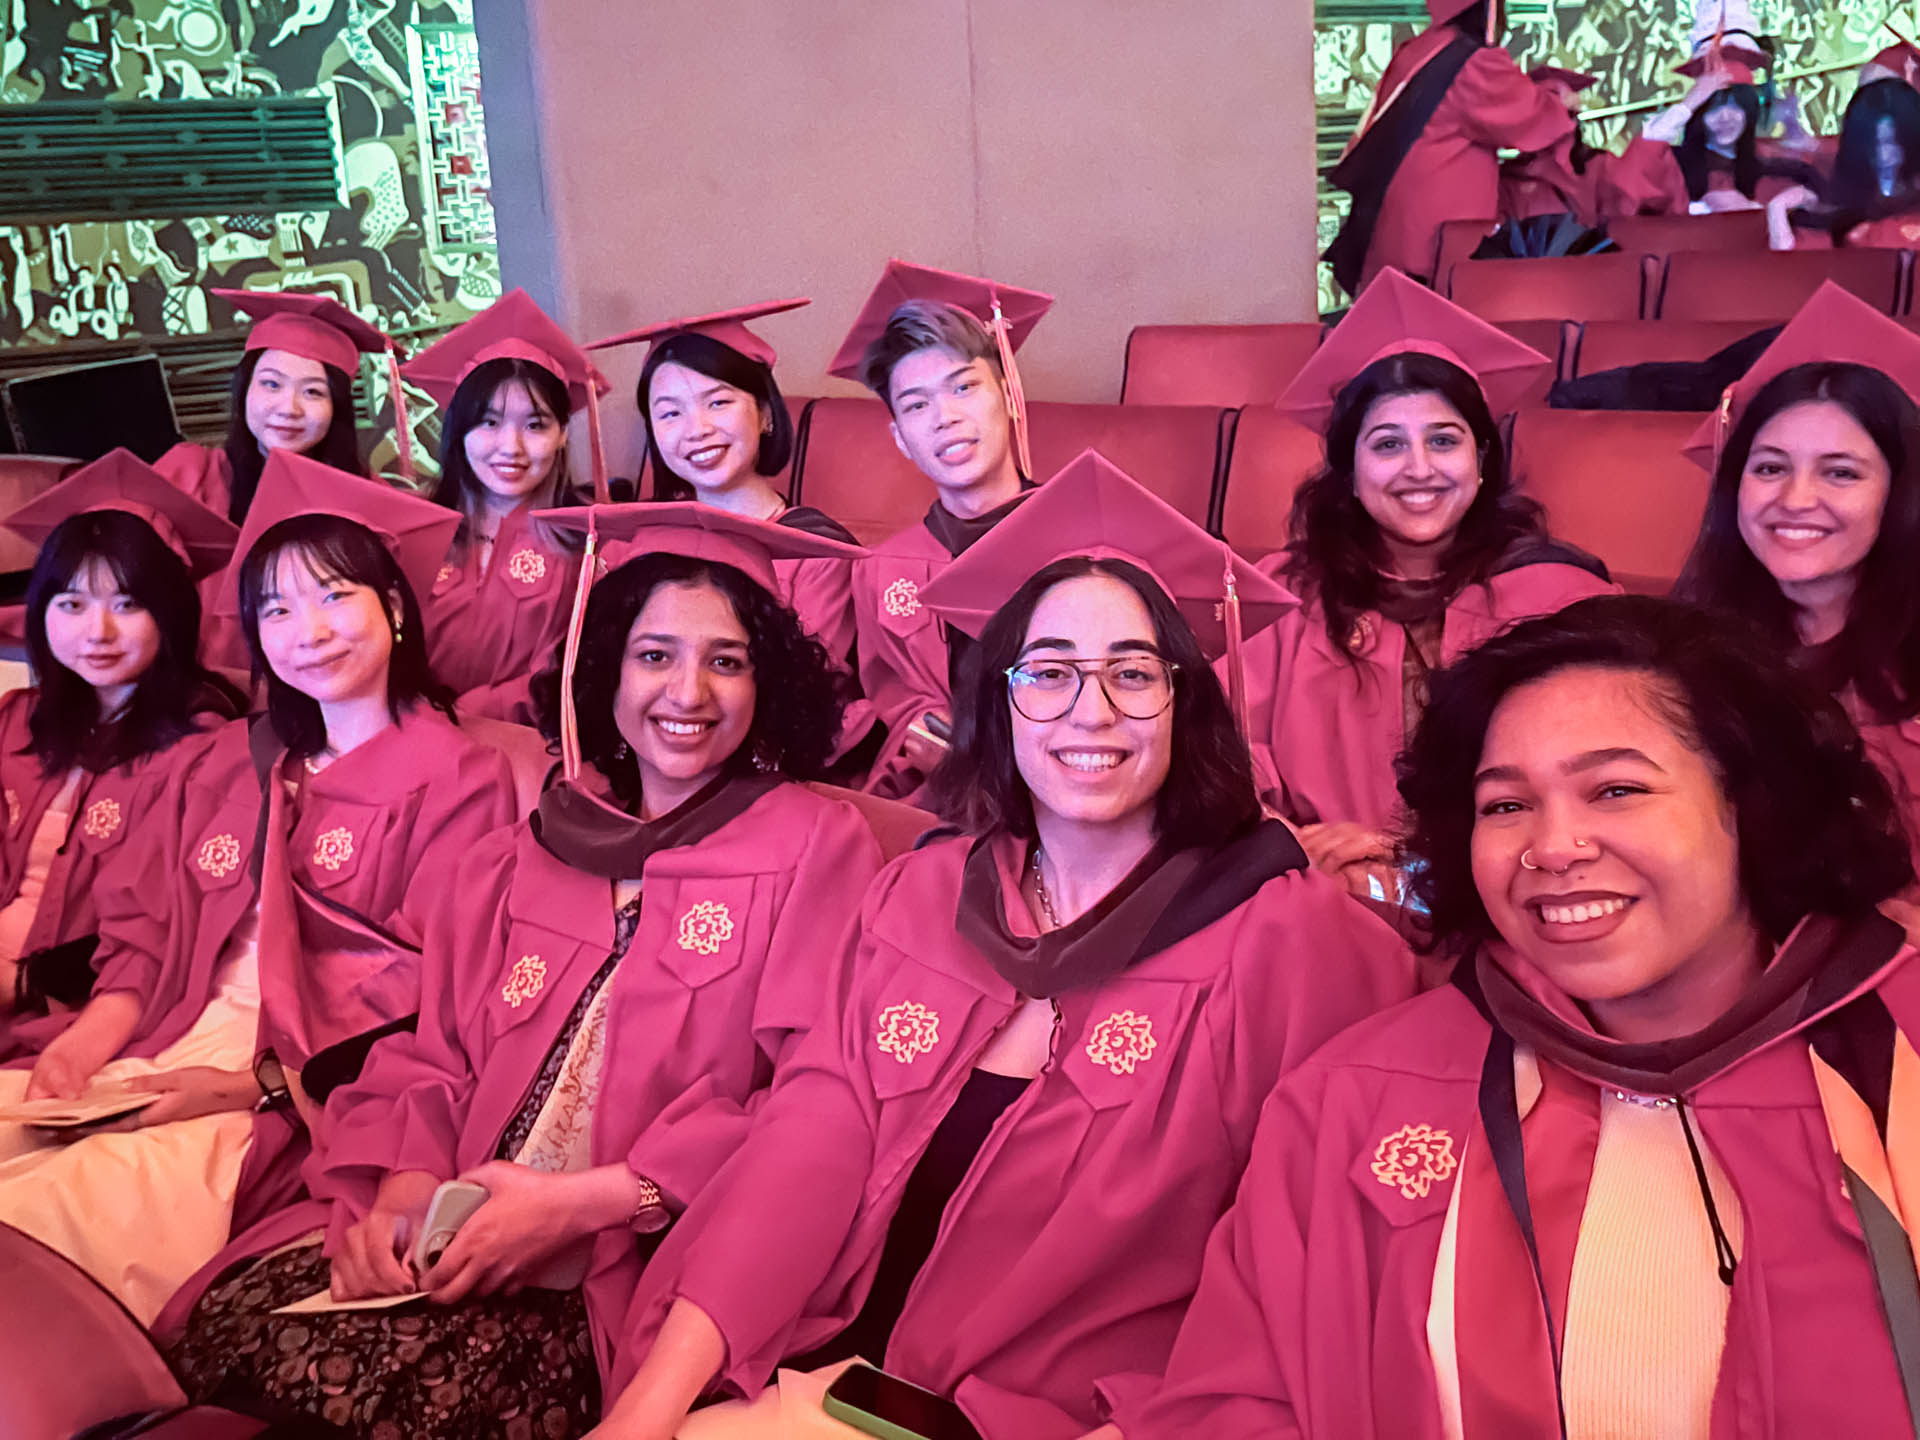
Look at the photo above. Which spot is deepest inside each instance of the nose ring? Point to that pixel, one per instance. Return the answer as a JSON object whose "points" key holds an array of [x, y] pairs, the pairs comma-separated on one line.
{"points": [[1527, 864]]}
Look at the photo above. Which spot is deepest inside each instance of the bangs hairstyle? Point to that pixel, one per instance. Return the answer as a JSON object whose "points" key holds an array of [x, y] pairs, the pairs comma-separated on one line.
{"points": [[1878, 650], [917, 325], [1696, 162], [339, 447], [798, 694], [1335, 552], [716, 360], [1208, 795], [65, 727], [335, 549], [457, 488], [1817, 826]]}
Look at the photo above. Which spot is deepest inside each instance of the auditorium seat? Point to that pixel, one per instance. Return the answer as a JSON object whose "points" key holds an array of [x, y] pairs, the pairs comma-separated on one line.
{"points": [[1221, 365], [850, 467], [74, 1356], [1272, 456], [1670, 234], [1767, 287], [1572, 287], [1457, 241], [1615, 483], [1608, 344], [1555, 339]]}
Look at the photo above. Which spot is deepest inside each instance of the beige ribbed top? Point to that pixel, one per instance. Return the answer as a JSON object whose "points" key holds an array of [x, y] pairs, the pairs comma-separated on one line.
{"points": [[1646, 1308]]}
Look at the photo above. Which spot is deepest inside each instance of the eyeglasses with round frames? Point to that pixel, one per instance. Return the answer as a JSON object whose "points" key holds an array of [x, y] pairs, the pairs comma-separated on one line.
{"points": [[1136, 686]]}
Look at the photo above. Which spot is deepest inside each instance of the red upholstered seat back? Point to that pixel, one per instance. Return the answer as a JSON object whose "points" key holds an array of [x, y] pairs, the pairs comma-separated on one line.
{"points": [[74, 1356], [1457, 241], [1605, 345], [1670, 234], [1272, 457], [1615, 483], [1214, 364], [1767, 287], [850, 468], [1575, 287]]}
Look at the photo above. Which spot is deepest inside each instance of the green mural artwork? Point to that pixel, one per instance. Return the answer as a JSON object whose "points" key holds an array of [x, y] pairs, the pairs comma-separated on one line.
{"points": [[412, 249], [1632, 45]]}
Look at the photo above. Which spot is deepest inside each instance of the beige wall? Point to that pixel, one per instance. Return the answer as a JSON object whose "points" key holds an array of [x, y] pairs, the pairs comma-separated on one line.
{"points": [[1144, 160]]}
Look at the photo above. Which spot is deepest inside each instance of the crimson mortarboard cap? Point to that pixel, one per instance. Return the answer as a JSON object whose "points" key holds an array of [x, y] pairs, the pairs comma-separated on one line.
{"points": [[1395, 314], [1574, 80], [616, 534], [416, 532], [316, 327], [901, 282], [1897, 62], [696, 530], [1834, 325], [120, 480], [1095, 509], [729, 327], [512, 328]]}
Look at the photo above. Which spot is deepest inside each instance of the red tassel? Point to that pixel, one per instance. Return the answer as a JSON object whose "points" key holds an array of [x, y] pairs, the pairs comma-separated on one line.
{"points": [[1016, 397], [1722, 424], [569, 720], [402, 426]]}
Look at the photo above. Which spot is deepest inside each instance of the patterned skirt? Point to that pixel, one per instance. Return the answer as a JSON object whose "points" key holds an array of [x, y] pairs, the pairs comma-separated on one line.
{"points": [[493, 1368]]}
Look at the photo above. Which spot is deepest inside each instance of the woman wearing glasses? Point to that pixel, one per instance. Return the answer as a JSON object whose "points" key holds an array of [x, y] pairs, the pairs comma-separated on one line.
{"points": [[993, 1169]]}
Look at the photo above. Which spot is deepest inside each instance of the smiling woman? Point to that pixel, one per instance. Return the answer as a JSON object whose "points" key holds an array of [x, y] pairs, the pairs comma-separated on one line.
{"points": [[1410, 546], [1814, 516], [1604, 1183]]}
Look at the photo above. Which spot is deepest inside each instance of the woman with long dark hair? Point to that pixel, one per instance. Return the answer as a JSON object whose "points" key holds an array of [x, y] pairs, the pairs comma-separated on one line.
{"points": [[1875, 180], [268, 921], [607, 994], [1638, 1170], [1044, 1048], [1814, 516], [508, 382], [1409, 547], [113, 636]]}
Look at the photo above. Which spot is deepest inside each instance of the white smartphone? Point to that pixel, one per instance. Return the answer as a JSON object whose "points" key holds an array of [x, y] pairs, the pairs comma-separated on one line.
{"points": [[452, 1206]]}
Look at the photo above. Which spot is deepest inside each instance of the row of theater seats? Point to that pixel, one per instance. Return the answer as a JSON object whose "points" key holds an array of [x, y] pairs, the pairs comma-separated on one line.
{"points": [[1613, 482]]}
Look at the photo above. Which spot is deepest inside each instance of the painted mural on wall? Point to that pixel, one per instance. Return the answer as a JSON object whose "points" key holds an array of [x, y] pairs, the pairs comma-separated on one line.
{"points": [[1632, 45], [413, 251]]}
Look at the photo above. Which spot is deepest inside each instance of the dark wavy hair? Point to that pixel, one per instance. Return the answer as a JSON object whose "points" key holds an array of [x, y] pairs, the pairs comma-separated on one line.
{"points": [[717, 361], [65, 727], [457, 489], [1819, 831], [798, 693], [1696, 160], [1208, 795], [1878, 651], [1335, 553], [335, 548], [1854, 190], [339, 447]]}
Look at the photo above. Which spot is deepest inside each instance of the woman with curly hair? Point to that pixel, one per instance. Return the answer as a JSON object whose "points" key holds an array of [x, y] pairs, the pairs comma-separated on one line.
{"points": [[1408, 548], [1642, 1168], [993, 1167], [608, 989]]}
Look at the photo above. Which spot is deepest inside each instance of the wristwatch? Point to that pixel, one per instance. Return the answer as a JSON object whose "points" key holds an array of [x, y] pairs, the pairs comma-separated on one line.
{"points": [[650, 1215], [271, 1076]]}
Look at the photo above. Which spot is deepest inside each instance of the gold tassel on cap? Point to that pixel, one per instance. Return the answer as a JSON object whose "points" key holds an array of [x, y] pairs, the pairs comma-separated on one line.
{"points": [[601, 495], [569, 719], [1236, 673], [402, 426], [1016, 397], [1722, 425]]}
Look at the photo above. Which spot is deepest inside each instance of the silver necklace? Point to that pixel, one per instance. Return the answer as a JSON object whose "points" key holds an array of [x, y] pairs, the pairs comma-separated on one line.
{"points": [[1040, 892]]}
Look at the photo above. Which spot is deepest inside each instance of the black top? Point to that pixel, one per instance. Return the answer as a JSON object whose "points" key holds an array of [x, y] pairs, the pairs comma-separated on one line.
{"points": [[948, 1157]]}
